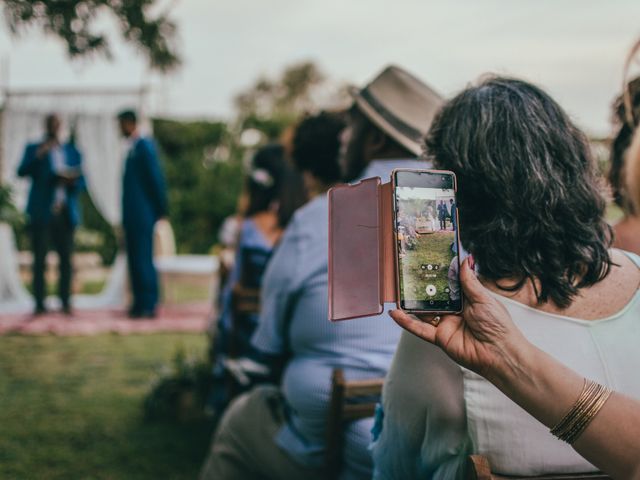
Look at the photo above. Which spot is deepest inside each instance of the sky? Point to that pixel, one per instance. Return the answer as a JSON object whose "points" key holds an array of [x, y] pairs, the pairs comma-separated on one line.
{"points": [[575, 49]]}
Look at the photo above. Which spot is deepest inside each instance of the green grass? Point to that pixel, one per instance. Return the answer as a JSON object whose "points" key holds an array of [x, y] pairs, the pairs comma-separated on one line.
{"points": [[180, 292], [92, 287], [71, 407], [186, 292], [432, 249]]}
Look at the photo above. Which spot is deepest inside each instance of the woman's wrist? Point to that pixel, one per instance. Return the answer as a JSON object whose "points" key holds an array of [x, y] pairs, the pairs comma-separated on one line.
{"points": [[516, 360]]}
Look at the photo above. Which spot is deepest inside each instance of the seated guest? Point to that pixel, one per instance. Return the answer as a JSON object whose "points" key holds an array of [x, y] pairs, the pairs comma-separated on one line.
{"points": [[532, 217], [627, 230], [602, 425], [279, 433], [268, 181]]}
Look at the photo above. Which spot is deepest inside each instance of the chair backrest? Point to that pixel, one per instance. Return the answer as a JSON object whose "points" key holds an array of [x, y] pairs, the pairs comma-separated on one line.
{"points": [[254, 263], [478, 468], [244, 302], [350, 400]]}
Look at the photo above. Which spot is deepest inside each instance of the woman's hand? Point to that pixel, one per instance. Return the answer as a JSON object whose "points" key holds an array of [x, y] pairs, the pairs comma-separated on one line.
{"points": [[479, 339]]}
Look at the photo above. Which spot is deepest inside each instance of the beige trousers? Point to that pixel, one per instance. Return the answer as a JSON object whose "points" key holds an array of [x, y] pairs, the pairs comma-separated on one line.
{"points": [[243, 447]]}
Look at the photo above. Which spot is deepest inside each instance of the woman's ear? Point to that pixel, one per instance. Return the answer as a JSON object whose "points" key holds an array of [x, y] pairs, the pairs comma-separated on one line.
{"points": [[376, 143]]}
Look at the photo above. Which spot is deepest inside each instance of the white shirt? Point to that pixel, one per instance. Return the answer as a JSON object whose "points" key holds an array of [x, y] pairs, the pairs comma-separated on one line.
{"points": [[437, 413], [58, 165]]}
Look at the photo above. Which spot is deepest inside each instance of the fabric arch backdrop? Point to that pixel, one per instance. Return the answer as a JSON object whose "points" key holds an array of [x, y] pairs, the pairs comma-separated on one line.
{"points": [[91, 117]]}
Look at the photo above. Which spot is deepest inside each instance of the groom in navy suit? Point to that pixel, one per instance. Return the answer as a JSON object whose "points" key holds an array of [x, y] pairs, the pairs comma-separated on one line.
{"points": [[144, 202], [56, 180]]}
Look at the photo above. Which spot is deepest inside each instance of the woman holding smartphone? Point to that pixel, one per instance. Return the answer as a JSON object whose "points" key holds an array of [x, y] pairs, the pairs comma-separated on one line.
{"points": [[531, 215], [485, 339]]}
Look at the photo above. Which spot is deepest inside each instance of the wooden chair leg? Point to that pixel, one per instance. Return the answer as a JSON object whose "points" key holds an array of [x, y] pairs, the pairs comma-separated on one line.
{"points": [[333, 451], [478, 468]]}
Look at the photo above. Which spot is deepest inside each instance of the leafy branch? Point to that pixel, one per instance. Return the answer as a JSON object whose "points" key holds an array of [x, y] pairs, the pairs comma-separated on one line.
{"points": [[74, 23]]}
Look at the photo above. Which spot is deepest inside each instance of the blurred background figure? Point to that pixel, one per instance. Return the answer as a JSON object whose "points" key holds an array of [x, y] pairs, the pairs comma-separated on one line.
{"points": [[315, 150], [144, 202], [55, 169], [627, 230], [272, 193]]}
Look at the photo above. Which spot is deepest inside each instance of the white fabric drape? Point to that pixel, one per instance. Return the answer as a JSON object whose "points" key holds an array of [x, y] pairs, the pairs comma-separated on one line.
{"points": [[91, 116]]}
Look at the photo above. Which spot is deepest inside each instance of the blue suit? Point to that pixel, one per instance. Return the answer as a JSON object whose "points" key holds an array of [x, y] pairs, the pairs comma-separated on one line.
{"points": [[43, 184], [144, 201], [52, 218]]}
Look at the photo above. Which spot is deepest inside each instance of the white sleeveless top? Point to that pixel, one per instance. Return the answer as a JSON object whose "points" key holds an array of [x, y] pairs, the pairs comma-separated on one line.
{"points": [[438, 430], [605, 350]]}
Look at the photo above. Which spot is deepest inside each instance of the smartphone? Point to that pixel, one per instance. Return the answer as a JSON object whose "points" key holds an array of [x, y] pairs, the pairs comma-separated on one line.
{"points": [[427, 243]]}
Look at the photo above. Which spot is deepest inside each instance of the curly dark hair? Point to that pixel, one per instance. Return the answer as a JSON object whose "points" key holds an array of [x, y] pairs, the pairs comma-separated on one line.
{"points": [[316, 145], [530, 203], [621, 143]]}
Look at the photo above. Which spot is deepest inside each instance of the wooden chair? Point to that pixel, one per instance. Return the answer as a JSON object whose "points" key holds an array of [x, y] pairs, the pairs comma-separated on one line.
{"points": [[479, 469], [244, 301], [344, 407]]}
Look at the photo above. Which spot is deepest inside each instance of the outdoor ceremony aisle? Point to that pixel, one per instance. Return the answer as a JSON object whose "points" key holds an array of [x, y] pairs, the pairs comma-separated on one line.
{"points": [[174, 318]]}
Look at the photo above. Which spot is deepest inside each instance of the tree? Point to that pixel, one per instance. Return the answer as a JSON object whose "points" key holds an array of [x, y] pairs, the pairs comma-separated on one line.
{"points": [[201, 193], [271, 104], [74, 22]]}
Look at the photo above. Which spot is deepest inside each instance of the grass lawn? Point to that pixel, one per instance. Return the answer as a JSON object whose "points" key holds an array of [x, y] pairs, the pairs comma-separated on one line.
{"points": [[434, 249], [71, 407]]}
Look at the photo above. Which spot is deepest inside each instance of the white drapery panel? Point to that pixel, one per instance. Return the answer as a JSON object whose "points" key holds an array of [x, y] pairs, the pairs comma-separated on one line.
{"points": [[90, 116], [103, 153]]}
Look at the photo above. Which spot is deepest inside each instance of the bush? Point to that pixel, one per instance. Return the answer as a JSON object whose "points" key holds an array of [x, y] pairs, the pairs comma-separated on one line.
{"points": [[179, 391], [202, 191], [95, 234], [8, 212]]}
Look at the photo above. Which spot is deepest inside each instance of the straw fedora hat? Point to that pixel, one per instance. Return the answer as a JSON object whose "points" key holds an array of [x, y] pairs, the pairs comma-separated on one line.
{"points": [[400, 105]]}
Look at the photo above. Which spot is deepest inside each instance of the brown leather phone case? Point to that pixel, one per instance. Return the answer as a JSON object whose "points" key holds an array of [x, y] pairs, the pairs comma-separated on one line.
{"points": [[362, 275]]}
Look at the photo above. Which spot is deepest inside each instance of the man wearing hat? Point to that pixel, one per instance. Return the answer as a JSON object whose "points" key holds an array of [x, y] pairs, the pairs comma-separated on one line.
{"points": [[387, 123], [280, 433]]}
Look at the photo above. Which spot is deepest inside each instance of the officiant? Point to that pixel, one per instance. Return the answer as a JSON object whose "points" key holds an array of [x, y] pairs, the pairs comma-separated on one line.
{"points": [[55, 169]]}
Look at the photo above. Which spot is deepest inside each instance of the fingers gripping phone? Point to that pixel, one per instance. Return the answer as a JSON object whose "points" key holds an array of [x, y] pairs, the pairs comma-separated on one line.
{"points": [[427, 245]]}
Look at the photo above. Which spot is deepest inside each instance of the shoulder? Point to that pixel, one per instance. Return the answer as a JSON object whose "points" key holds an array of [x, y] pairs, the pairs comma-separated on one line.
{"points": [[146, 145], [621, 254], [312, 213], [248, 230]]}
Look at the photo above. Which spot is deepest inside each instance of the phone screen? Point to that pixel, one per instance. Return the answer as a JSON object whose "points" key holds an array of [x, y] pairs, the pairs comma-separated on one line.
{"points": [[427, 241]]}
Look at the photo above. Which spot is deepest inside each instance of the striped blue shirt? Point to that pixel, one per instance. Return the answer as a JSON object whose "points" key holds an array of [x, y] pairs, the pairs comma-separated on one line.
{"points": [[294, 320]]}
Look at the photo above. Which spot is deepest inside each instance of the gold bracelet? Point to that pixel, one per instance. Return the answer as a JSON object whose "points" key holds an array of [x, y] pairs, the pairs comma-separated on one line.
{"points": [[603, 395], [591, 400], [567, 420], [589, 391]]}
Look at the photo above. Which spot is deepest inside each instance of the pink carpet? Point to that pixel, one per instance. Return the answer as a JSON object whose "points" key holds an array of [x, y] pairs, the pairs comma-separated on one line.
{"points": [[180, 318]]}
